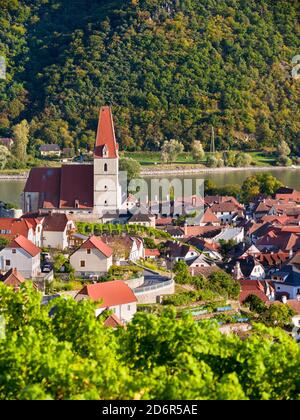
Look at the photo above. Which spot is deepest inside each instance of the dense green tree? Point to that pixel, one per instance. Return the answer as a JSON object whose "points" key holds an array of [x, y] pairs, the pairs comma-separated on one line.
{"points": [[132, 167], [147, 60], [278, 314], [197, 151], [21, 139], [170, 150], [221, 282], [182, 274], [71, 355], [259, 184], [4, 155]]}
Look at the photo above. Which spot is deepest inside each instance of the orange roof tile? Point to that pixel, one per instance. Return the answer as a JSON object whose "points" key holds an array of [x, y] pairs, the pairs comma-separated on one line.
{"points": [[106, 134], [111, 293], [96, 242], [24, 243]]}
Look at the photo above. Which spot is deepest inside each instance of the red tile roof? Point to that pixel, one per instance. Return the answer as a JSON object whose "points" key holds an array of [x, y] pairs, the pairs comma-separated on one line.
{"points": [[106, 134], [111, 293], [12, 278], [152, 252], [209, 217], [14, 227], [96, 242], [63, 187], [252, 287], [22, 242], [77, 185], [113, 321], [224, 207], [55, 222], [46, 182]]}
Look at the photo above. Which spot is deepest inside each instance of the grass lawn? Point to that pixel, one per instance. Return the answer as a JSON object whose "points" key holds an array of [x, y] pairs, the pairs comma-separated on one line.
{"points": [[260, 160], [151, 158]]}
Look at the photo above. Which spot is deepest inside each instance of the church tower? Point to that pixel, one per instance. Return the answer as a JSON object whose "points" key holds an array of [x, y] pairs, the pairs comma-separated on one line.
{"points": [[107, 191]]}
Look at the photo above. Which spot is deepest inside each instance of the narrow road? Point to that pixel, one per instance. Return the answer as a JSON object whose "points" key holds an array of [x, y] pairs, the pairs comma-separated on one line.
{"points": [[151, 279]]}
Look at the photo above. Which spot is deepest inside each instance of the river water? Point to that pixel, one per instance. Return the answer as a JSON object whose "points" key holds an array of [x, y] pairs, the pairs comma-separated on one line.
{"points": [[10, 190]]}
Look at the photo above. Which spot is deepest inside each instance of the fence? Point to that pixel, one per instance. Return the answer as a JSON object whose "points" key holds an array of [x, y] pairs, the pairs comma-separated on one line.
{"points": [[153, 287]]}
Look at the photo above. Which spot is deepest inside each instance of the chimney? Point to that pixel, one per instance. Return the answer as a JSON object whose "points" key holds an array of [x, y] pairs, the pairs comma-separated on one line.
{"points": [[284, 299], [237, 272], [185, 228]]}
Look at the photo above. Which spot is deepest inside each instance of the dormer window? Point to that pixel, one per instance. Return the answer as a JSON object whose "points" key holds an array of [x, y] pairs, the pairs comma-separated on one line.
{"points": [[76, 204], [105, 151]]}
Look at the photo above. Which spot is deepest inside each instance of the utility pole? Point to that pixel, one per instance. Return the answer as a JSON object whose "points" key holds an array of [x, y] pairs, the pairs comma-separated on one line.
{"points": [[212, 144]]}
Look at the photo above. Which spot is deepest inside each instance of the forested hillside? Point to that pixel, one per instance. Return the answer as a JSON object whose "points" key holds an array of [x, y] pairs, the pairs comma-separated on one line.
{"points": [[169, 68]]}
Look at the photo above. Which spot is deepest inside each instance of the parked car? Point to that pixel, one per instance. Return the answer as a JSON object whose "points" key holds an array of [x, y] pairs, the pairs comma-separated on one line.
{"points": [[47, 268]]}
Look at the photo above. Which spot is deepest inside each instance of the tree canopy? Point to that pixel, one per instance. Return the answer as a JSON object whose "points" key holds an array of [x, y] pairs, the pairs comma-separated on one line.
{"points": [[71, 355], [171, 69]]}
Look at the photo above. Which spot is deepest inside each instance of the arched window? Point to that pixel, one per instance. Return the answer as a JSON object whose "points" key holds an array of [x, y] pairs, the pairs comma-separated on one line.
{"points": [[105, 151], [105, 167]]}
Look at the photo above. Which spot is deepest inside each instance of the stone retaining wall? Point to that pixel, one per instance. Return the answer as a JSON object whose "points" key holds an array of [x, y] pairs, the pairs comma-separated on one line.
{"points": [[153, 296]]}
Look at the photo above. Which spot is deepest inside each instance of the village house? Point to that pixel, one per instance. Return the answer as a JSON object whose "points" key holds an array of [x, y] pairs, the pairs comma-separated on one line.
{"points": [[142, 219], [93, 258], [248, 268], [264, 290], [57, 229], [229, 234], [125, 248], [13, 279], [209, 218], [112, 295], [30, 228], [210, 249], [225, 212], [287, 194], [176, 252], [287, 278], [23, 255], [275, 241], [50, 150], [152, 254]]}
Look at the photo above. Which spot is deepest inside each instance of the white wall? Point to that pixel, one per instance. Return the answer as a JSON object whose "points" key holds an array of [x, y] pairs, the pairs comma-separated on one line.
{"points": [[27, 265], [124, 312], [281, 287], [95, 262]]}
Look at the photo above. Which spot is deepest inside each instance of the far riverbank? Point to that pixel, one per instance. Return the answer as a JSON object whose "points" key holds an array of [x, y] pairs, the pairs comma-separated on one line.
{"points": [[181, 170]]}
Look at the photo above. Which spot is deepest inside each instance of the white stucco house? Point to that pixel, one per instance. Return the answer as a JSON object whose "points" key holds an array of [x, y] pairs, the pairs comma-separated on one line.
{"points": [[249, 268], [23, 255], [56, 231], [287, 279], [29, 227], [93, 258], [125, 248], [112, 295]]}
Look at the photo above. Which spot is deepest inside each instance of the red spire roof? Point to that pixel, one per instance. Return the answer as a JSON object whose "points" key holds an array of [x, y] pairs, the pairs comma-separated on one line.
{"points": [[106, 145]]}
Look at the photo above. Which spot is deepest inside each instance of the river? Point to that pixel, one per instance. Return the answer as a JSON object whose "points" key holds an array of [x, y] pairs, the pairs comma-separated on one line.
{"points": [[10, 190]]}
